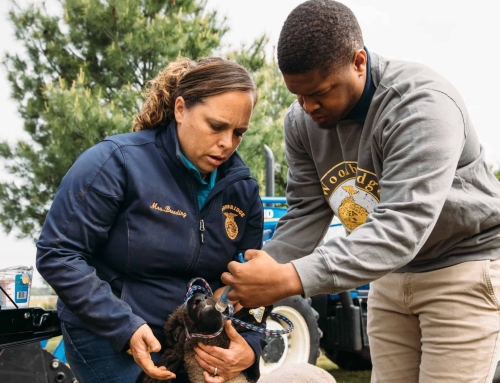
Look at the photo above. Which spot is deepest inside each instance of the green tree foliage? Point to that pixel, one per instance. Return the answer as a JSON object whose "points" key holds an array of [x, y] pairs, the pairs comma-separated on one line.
{"points": [[266, 126], [80, 79]]}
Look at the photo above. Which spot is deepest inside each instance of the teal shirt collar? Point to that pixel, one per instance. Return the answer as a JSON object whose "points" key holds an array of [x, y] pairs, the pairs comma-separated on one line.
{"points": [[196, 173]]}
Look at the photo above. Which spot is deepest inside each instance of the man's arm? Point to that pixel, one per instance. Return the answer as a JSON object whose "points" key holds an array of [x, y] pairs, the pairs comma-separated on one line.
{"points": [[420, 141], [264, 280], [309, 216]]}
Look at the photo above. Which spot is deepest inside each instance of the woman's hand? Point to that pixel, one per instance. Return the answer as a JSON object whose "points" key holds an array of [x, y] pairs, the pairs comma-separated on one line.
{"points": [[142, 343], [229, 362]]}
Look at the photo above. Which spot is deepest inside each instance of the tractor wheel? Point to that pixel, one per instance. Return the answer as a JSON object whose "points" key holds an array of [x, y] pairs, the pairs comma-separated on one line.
{"points": [[301, 345]]}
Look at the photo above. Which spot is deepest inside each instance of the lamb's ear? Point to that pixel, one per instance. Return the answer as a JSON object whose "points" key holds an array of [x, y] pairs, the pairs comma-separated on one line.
{"points": [[172, 326]]}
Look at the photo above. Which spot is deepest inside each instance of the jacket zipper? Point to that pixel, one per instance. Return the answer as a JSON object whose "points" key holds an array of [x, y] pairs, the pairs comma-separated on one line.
{"points": [[202, 229], [202, 221]]}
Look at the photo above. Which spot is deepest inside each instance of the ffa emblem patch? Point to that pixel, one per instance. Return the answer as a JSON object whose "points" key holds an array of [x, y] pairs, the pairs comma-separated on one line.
{"points": [[352, 193], [351, 214], [231, 212], [231, 226]]}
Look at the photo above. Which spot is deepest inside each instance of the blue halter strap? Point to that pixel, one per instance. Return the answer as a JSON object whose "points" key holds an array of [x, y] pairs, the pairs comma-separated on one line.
{"points": [[229, 316]]}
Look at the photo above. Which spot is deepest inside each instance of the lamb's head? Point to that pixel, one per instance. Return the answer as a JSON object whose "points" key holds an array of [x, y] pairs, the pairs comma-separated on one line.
{"points": [[202, 316]]}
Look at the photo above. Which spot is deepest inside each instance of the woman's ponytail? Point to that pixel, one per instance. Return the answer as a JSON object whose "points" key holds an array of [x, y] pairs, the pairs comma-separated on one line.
{"points": [[159, 101]]}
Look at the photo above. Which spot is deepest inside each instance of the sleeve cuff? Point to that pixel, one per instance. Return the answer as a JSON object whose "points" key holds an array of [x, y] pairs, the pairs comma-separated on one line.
{"points": [[315, 275], [121, 344]]}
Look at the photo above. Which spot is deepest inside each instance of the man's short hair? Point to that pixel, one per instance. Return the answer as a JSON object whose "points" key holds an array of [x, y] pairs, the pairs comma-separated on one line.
{"points": [[318, 34]]}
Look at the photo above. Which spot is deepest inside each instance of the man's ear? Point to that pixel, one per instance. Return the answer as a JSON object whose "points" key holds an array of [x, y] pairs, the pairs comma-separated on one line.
{"points": [[179, 109], [360, 60]]}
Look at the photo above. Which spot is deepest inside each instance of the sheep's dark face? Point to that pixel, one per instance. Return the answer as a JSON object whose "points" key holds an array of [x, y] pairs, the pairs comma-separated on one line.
{"points": [[202, 311]]}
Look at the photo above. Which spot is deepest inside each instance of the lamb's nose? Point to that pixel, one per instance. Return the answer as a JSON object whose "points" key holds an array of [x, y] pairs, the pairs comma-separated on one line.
{"points": [[198, 300]]}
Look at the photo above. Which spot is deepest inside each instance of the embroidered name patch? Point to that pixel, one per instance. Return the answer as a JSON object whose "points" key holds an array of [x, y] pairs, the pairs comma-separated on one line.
{"points": [[231, 212], [168, 209]]}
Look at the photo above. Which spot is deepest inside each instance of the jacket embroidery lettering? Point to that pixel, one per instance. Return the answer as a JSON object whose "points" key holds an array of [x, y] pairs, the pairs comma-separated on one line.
{"points": [[167, 209]]}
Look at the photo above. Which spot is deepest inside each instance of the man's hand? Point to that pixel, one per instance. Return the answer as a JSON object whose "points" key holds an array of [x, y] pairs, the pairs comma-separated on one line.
{"points": [[229, 362], [261, 281], [142, 343], [217, 294]]}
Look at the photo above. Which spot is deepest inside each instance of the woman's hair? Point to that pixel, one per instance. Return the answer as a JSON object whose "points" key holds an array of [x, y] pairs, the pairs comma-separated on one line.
{"points": [[193, 81]]}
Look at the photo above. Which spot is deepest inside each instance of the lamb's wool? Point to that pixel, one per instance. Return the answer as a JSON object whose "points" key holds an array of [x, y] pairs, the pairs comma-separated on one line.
{"points": [[298, 373]]}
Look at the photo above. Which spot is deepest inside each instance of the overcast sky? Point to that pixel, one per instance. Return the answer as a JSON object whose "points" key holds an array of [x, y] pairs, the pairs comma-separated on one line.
{"points": [[457, 39]]}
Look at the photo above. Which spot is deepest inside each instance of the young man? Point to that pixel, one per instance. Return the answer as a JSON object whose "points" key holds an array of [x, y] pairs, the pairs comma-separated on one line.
{"points": [[389, 148]]}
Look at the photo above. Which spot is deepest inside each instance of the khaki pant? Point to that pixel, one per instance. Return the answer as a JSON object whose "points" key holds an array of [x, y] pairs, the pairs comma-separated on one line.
{"points": [[438, 326]]}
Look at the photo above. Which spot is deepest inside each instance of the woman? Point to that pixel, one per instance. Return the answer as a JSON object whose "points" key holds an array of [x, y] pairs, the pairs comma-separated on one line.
{"points": [[140, 214]]}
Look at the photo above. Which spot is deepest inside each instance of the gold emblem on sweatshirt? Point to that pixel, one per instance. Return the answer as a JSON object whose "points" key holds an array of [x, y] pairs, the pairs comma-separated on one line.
{"points": [[231, 212], [351, 214], [352, 192]]}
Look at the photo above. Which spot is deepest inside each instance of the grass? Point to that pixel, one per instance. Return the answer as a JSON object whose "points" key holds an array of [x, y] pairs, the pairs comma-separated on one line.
{"points": [[342, 376]]}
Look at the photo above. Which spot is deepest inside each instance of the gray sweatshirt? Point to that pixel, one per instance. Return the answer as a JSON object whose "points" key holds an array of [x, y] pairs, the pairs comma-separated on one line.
{"points": [[410, 186]]}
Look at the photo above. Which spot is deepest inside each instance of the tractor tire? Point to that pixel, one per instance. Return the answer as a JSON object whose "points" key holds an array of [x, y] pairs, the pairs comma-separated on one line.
{"points": [[301, 345]]}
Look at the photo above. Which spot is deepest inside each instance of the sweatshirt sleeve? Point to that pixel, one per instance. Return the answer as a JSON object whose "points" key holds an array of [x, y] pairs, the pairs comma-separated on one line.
{"points": [[76, 227], [420, 141], [308, 211]]}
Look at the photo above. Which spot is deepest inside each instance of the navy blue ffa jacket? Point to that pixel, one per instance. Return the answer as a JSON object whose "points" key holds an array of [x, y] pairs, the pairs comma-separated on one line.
{"points": [[124, 234]]}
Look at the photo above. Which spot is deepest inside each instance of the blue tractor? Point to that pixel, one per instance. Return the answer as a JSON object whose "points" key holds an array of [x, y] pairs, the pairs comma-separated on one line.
{"points": [[335, 323]]}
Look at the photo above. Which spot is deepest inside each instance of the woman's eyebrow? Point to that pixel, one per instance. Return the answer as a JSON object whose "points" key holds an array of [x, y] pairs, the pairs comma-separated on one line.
{"points": [[224, 123], [218, 121]]}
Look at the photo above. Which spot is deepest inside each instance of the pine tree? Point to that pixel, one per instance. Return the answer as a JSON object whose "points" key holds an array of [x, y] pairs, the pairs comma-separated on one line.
{"points": [[80, 80], [266, 126]]}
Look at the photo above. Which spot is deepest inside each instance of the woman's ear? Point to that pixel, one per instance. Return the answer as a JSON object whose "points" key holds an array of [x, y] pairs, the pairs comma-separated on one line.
{"points": [[179, 109]]}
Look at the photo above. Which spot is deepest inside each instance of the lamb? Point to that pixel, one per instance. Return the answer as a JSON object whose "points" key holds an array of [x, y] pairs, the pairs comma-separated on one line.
{"points": [[198, 317]]}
